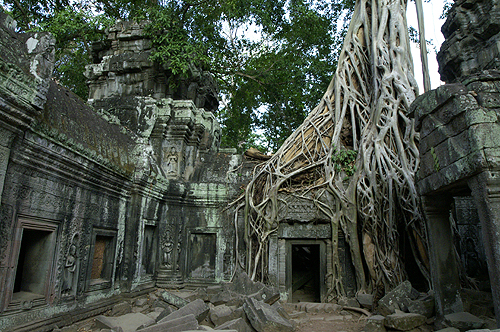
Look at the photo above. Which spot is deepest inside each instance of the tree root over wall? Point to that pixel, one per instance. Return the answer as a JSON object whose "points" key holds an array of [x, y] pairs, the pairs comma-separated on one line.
{"points": [[359, 147]]}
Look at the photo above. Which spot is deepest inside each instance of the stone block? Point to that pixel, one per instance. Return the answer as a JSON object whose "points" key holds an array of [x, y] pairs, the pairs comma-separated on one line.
{"points": [[404, 321], [140, 302], [449, 329], [279, 308], [238, 324], [184, 323], [202, 293], [199, 309], [394, 300], [174, 300], [365, 300], [348, 302], [243, 285], [128, 322], [265, 318], [212, 290], [121, 308], [167, 311], [222, 313], [425, 307], [375, 323], [226, 297], [463, 321]]}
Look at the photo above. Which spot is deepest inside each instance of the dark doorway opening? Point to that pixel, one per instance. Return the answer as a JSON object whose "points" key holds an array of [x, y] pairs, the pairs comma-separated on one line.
{"points": [[34, 262], [306, 272], [149, 250]]}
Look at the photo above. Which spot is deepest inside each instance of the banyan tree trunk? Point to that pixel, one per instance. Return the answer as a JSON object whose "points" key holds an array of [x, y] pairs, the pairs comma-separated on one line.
{"points": [[357, 146]]}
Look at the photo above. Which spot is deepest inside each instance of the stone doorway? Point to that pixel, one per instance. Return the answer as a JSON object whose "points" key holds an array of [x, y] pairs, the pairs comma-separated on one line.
{"points": [[305, 270]]}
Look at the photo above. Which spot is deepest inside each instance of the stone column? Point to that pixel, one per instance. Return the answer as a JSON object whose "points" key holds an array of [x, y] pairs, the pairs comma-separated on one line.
{"points": [[485, 189], [444, 267]]}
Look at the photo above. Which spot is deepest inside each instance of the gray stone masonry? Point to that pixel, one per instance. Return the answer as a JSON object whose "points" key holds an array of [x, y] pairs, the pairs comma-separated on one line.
{"points": [[463, 321], [395, 299], [404, 321], [238, 324], [264, 318], [459, 144], [183, 323], [198, 308]]}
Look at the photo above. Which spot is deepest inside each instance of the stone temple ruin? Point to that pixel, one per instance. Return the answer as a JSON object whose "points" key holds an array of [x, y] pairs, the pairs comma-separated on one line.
{"points": [[110, 199]]}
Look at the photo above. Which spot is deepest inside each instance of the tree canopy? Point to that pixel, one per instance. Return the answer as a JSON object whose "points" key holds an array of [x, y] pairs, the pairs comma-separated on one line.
{"points": [[271, 58]]}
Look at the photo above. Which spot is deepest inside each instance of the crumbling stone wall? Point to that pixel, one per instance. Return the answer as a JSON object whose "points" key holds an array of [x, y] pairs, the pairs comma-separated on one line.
{"points": [[111, 198], [459, 147]]}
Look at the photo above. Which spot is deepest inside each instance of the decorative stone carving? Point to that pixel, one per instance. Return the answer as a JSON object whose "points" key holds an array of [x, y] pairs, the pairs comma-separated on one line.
{"points": [[171, 168], [472, 33], [71, 266]]}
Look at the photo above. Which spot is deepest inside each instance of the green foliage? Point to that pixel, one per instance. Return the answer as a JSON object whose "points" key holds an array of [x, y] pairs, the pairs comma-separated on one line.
{"points": [[437, 167], [345, 160], [446, 9], [272, 59], [74, 32]]}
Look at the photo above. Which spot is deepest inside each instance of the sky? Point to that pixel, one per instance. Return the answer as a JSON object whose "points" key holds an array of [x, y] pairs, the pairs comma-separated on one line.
{"points": [[432, 11]]}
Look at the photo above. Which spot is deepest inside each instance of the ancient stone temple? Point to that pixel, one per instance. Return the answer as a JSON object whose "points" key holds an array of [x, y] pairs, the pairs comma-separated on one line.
{"points": [[460, 153], [112, 198]]}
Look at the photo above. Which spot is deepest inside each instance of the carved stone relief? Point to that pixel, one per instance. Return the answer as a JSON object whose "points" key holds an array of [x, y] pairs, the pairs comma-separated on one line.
{"points": [[71, 267]]}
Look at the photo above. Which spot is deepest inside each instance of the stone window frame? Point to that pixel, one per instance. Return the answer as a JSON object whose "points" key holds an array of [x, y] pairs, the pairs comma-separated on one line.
{"points": [[36, 224], [96, 231], [219, 253]]}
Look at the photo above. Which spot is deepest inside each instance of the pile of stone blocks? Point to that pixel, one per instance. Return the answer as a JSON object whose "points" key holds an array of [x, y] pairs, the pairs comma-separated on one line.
{"points": [[242, 305], [406, 309]]}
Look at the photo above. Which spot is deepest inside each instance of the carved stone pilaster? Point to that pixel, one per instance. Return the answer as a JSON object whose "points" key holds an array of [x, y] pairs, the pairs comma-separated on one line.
{"points": [[445, 270]]}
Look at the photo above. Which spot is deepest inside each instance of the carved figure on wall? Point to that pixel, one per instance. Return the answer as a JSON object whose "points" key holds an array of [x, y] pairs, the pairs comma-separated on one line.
{"points": [[172, 162], [71, 266], [167, 254]]}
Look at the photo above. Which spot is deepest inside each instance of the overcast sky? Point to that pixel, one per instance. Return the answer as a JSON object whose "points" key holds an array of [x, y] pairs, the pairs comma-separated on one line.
{"points": [[432, 11]]}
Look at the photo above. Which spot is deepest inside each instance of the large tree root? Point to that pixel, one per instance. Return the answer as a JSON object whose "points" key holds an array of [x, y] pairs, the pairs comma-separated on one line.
{"points": [[363, 110]]}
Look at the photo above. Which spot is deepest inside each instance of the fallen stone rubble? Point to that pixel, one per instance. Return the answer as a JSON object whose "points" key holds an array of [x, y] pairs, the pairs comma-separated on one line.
{"points": [[247, 306], [406, 309]]}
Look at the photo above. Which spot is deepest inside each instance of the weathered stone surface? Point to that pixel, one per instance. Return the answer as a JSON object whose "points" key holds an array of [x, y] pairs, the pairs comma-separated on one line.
{"points": [[222, 313], [463, 321], [121, 308], [281, 310], [243, 285], [141, 301], [238, 324], [425, 307], [167, 311], [174, 300], [264, 318], [198, 308], [394, 300], [404, 321], [313, 307], [128, 322], [100, 180], [348, 302], [227, 297], [365, 300], [375, 323], [184, 323], [471, 31], [449, 329]]}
